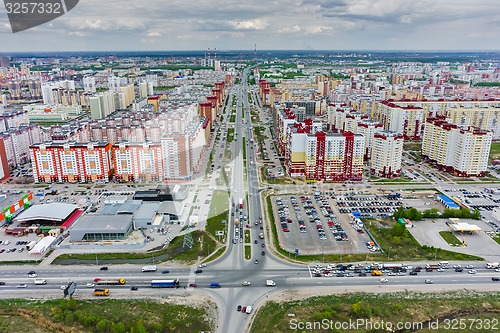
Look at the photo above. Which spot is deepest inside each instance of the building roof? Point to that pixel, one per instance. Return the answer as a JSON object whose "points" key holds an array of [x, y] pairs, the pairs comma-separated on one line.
{"points": [[128, 207], [42, 245], [56, 211], [147, 210], [103, 224], [464, 227], [448, 202], [170, 207]]}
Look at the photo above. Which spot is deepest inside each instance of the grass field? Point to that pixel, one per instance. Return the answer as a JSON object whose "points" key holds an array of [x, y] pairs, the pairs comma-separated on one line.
{"points": [[496, 239], [415, 146], [103, 315], [230, 135], [248, 252], [495, 151], [406, 307], [450, 238]]}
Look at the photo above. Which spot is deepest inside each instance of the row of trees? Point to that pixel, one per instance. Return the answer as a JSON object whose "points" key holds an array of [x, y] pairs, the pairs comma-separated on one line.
{"points": [[415, 215]]}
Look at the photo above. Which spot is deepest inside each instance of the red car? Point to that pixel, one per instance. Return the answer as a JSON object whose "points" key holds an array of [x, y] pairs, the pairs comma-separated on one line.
{"points": [[193, 285]]}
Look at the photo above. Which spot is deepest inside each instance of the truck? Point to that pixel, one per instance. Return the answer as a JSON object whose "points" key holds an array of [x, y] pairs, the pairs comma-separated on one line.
{"points": [[492, 265], [101, 292], [270, 283], [165, 283], [40, 281], [149, 268], [100, 281], [215, 285], [30, 245], [241, 203]]}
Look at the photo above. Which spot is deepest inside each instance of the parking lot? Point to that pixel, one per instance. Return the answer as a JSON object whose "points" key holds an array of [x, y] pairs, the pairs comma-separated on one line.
{"points": [[311, 225]]}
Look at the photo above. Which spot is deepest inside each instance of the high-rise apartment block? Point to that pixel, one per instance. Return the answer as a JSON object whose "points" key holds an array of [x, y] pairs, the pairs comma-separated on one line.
{"points": [[461, 151], [323, 156], [386, 154], [71, 162], [137, 161]]}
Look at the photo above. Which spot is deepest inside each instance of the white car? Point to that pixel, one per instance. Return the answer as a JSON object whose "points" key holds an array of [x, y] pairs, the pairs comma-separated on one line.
{"points": [[384, 280], [246, 283], [90, 285], [32, 275], [469, 266], [497, 270], [472, 271], [202, 265], [428, 281], [22, 285], [63, 287]]}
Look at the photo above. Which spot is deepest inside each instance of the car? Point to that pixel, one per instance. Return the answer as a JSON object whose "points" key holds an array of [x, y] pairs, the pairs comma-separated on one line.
{"points": [[413, 273], [245, 283], [469, 266], [165, 271], [22, 285], [256, 242], [193, 285], [248, 309], [362, 274], [428, 281], [202, 265], [104, 268], [90, 285], [198, 271], [134, 288], [244, 309], [263, 253], [497, 270], [440, 270], [238, 308], [263, 245], [256, 261], [495, 279], [472, 271], [31, 272], [2, 283], [32, 275], [459, 269], [384, 280]]}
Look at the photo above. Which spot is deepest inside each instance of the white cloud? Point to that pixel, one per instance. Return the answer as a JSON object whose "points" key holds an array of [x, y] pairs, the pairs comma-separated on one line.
{"points": [[257, 24], [293, 29]]}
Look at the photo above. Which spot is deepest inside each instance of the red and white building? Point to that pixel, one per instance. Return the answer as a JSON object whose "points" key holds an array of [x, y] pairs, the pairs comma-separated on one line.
{"points": [[323, 156], [137, 161], [461, 151], [71, 162], [405, 119], [368, 128], [386, 154]]}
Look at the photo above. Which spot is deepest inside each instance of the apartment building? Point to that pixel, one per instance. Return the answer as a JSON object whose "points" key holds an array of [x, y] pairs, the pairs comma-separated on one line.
{"points": [[386, 154], [368, 128], [463, 152], [139, 161], [405, 119], [323, 156], [71, 162]]}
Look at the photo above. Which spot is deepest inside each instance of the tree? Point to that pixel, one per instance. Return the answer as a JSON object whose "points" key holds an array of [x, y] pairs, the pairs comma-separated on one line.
{"points": [[398, 230], [476, 215], [102, 326], [431, 213], [118, 328]]}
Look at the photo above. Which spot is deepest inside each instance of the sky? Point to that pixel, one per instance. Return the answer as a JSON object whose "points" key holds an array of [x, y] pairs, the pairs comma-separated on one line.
{"points": [[125, 25]]}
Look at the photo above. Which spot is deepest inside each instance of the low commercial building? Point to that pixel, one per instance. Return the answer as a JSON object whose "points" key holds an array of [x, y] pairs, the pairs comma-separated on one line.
{"points": [[101, 228]]}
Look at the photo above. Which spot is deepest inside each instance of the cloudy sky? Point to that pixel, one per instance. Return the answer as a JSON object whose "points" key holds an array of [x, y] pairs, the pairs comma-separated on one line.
{"points": [[97, 25]]}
